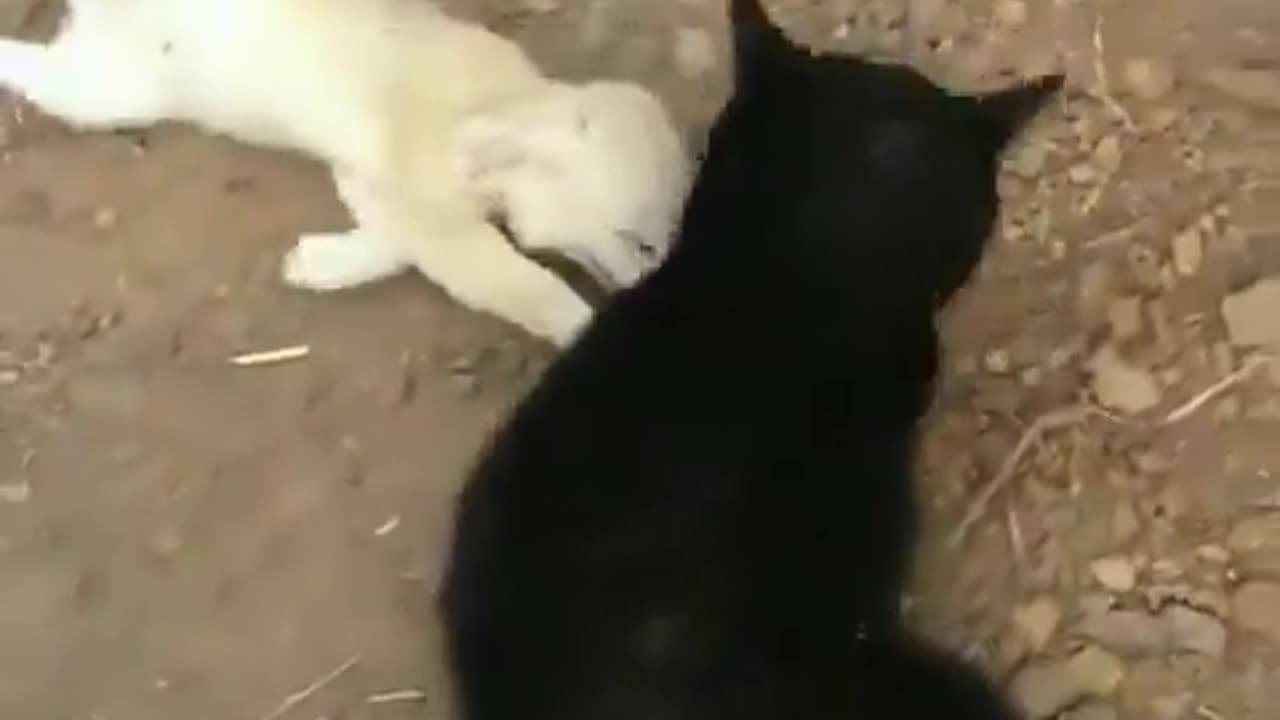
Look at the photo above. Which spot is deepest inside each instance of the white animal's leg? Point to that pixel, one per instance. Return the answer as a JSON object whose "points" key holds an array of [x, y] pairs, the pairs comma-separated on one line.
{"points": [[82, 82], [338, 261], [482, 271], [335, 261]]}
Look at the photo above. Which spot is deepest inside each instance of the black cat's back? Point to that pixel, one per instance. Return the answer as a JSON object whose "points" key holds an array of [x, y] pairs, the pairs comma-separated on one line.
{"points": [[704, 509]]}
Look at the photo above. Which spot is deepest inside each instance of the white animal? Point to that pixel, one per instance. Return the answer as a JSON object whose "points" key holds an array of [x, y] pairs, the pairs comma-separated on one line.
{"points": [[433, 127]]}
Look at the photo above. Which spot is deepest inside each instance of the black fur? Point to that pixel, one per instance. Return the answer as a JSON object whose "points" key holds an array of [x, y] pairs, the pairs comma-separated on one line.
{"points": [[704, 510]]}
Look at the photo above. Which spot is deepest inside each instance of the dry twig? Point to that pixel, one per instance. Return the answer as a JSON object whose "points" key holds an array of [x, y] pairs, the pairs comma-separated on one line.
{"points": [[1054, 420], [1184, 411], [1103, 91], [302, 695], [271, 357], [394, 696], [1076, 414], [1017, 541]]}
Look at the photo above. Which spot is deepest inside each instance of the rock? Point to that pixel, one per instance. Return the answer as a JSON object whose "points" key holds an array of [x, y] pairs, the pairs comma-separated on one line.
{"points": [[1188, 252], [1144, 265], [164, 542], [1121, 386], [105, 218], [1094, 291], [1010, 14], [1164, 119], [1082, 174], [997, 361], [1030, 160], [1044, 690], [15, 493], [1255, 87], [695, 52], [1215, 554], [1125, 317], [1114, 573], [1149, 79], [1031, 377], [1037, 621], [1107, 154], [1174, 629], [1256, 608], [1193, 631], [1252, 315], [1255, 542]]}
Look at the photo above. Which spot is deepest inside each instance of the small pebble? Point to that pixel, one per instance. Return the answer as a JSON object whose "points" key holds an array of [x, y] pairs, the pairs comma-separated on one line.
{"points": [[1188, 252], [1114, 573], [1144, 265], [1032, 377], [1082, 174], [15, 493], [105, 218], [1216, 554], [1164, 119], [1094, 290], [1037, 621], [1149, 79], [1120, 385], [1029, 161], [1108, 155], [1010, 14], [997, 361], [164, 542], [1045, 690], [1125, 317]]}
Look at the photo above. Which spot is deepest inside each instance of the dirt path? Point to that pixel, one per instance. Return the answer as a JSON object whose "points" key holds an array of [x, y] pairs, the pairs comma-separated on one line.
{"points": [[181, 538]]}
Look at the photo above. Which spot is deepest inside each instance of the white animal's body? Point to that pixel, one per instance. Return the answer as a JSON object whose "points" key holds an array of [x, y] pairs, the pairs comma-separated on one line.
{"points": [[432, 127]]}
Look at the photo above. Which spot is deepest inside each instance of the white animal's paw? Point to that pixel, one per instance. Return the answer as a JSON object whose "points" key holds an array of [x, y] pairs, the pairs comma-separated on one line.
{"points": [[336, 261], [561, 322]]}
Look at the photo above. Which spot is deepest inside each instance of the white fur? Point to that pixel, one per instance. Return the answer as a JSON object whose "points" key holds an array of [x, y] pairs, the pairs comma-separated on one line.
{"points": [[432, 126]]}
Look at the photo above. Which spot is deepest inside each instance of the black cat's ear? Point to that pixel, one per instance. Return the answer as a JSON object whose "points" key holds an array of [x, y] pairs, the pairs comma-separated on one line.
{"points": [[754, 34], [1008, 111]]}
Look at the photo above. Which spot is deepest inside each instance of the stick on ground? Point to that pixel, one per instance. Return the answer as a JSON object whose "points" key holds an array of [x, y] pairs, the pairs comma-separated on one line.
{"points": [[297, 698], [1060, 418], [1184, 411]]}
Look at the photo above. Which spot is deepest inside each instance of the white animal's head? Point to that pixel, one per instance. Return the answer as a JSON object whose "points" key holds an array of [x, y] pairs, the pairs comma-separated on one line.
{"points": [[594, 172]]}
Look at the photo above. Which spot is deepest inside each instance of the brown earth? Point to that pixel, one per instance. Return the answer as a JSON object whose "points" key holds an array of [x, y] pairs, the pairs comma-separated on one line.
{"points": [[182, 538]]}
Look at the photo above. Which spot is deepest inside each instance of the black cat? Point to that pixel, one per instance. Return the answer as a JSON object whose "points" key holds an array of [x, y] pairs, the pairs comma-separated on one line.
{"points": [[704, 510]]}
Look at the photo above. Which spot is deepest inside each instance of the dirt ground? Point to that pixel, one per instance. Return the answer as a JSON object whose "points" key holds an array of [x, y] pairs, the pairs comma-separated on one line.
{"points": [[183, 538]]}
